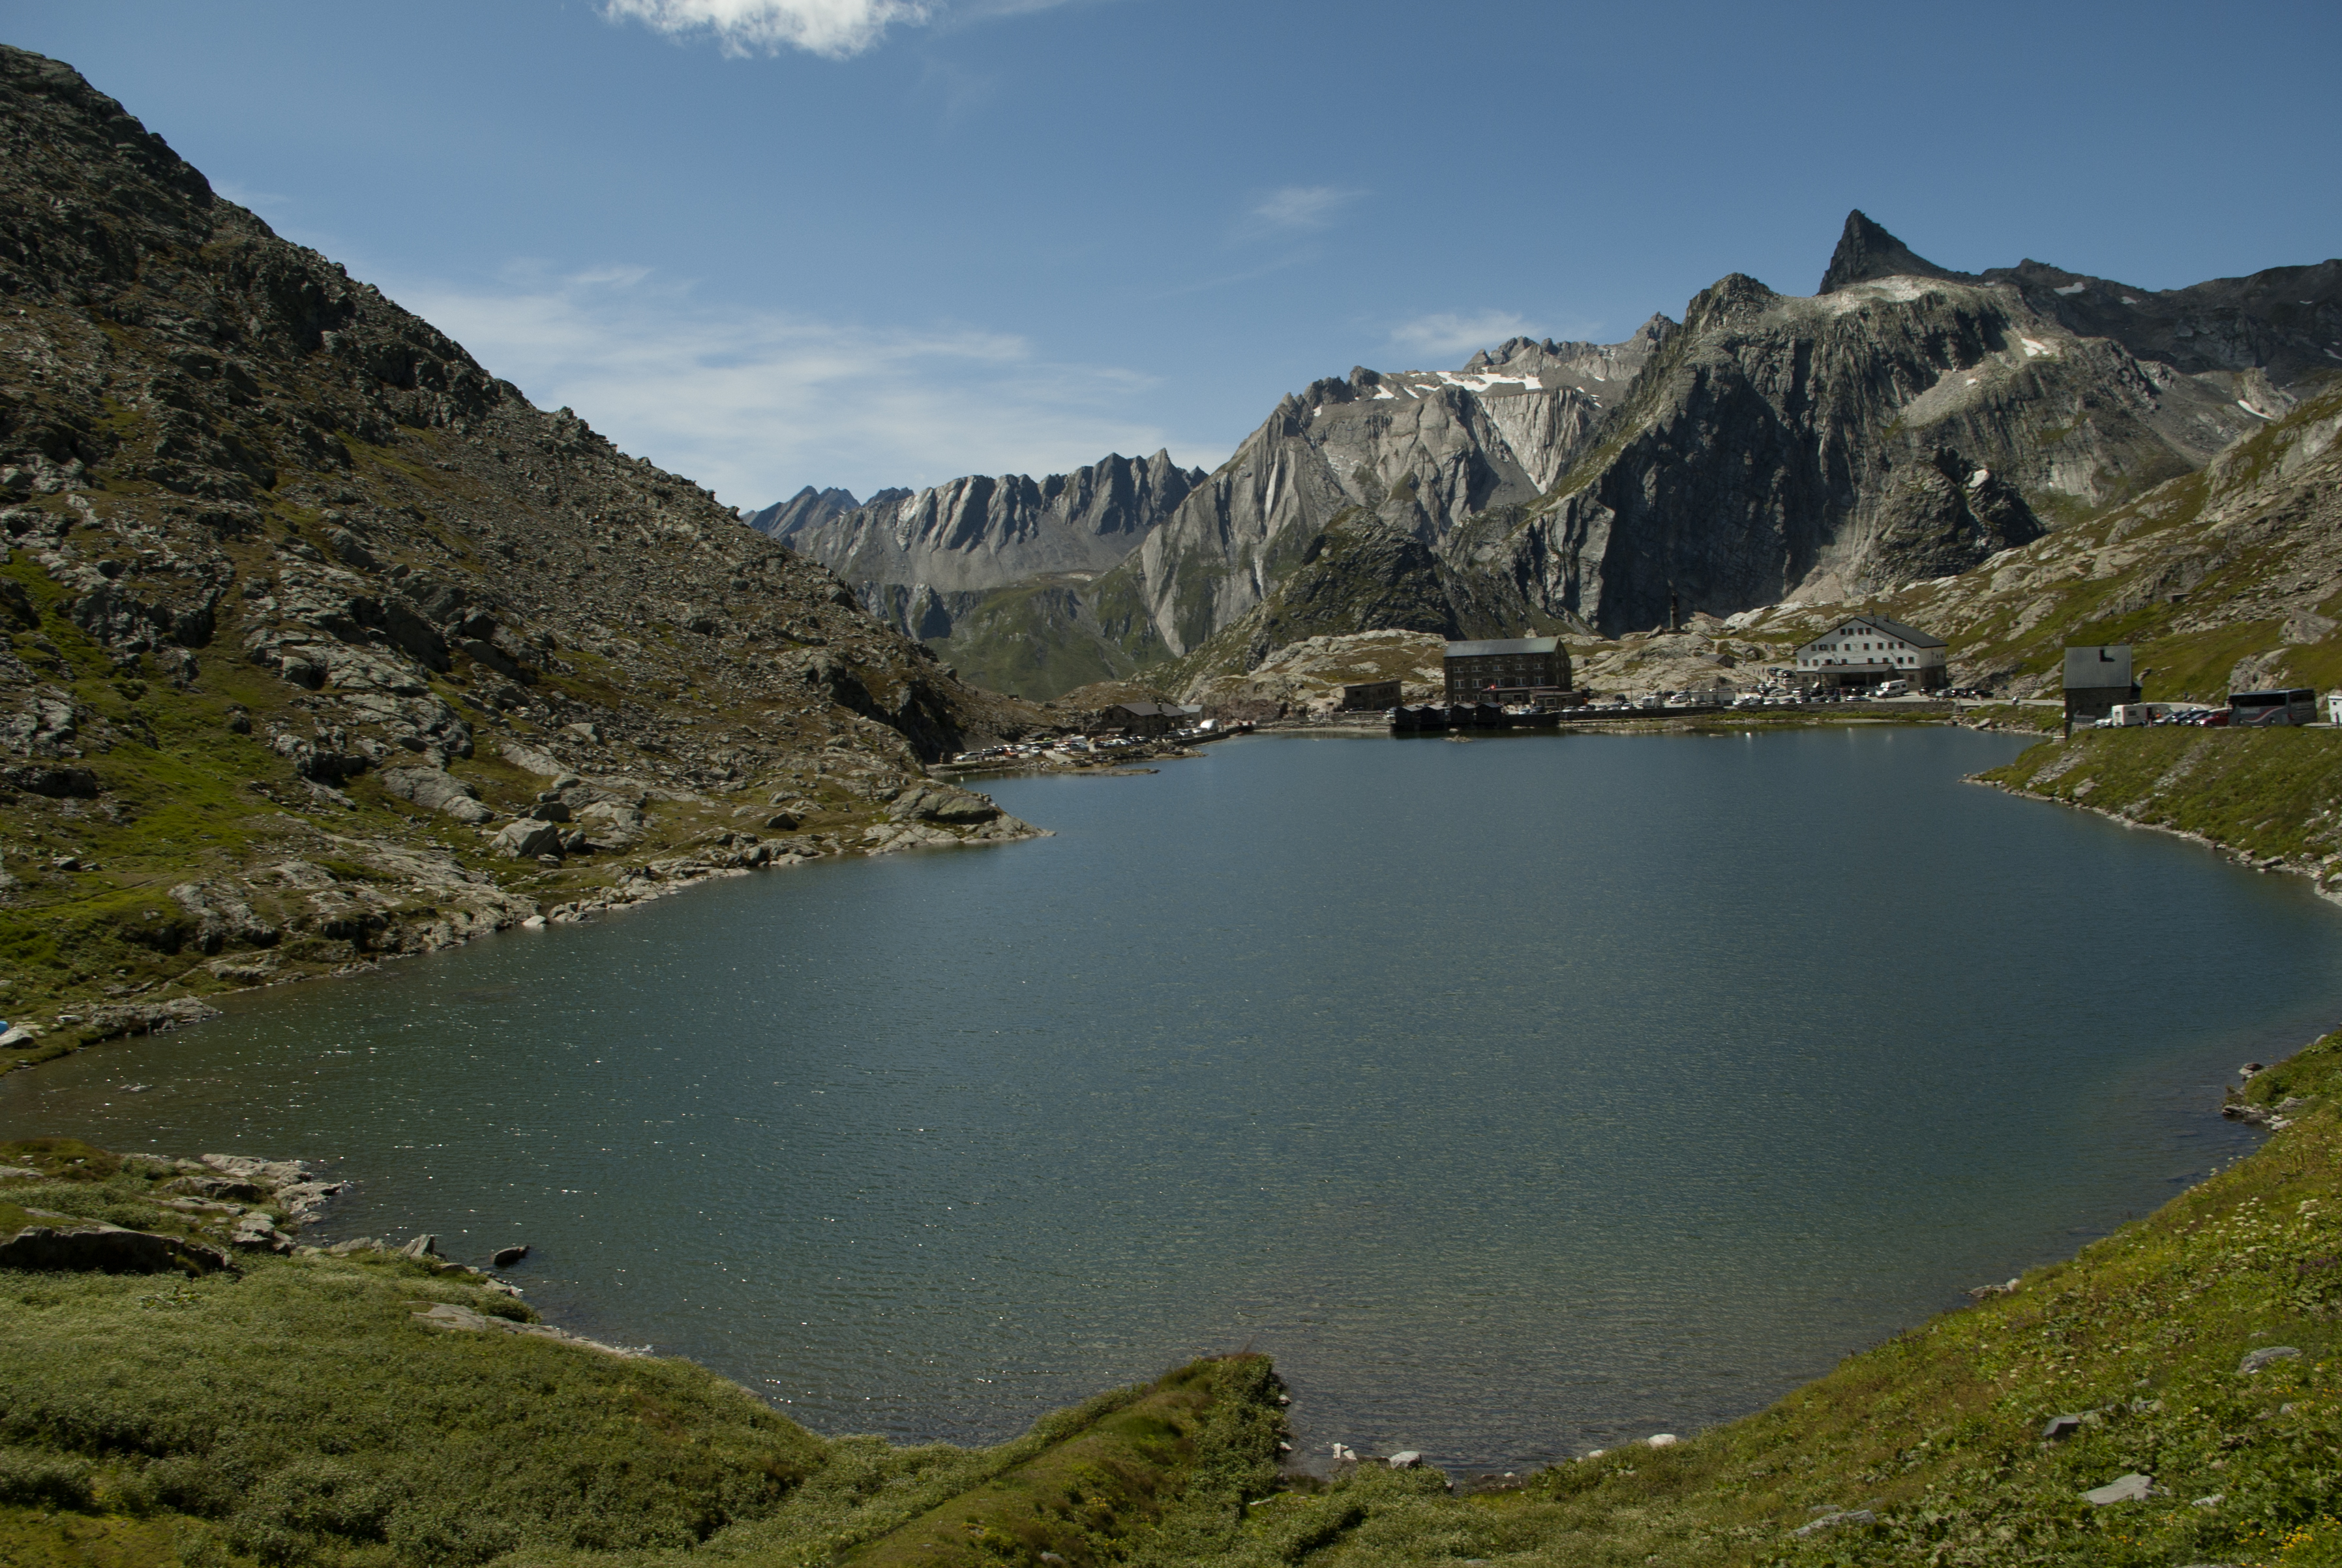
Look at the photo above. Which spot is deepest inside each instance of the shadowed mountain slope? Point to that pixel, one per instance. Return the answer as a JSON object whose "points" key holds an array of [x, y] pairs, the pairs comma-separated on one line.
{"points": [[292, 579]]}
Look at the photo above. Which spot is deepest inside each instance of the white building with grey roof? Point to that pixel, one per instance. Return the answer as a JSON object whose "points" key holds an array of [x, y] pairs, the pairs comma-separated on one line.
{"points": [[1865, 650]]}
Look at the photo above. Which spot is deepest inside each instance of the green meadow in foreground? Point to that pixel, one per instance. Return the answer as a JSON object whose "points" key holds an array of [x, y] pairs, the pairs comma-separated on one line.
{"points": [[298, 1411]]}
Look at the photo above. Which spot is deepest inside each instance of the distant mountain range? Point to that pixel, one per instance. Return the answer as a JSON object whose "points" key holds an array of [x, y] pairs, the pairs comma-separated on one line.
{"points": [[1904, 422]]}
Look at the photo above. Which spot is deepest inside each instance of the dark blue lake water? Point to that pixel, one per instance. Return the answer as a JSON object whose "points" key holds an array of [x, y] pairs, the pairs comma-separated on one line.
{"points": [[1519, 1097]]}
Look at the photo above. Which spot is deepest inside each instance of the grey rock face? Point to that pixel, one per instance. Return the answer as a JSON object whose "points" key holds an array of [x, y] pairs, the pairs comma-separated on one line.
{"points": [[1944, 515], [906, 551], [1867, 252], [1780, 446], [1422, 450], [807, 508]]}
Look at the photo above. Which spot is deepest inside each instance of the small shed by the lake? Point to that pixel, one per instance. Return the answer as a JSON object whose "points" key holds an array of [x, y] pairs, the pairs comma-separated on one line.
{"points": [[2097, 678], [1364, 696]]}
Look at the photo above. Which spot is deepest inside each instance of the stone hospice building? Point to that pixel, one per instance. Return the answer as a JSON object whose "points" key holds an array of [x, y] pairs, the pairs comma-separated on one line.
{"points": [[1507, 670]]}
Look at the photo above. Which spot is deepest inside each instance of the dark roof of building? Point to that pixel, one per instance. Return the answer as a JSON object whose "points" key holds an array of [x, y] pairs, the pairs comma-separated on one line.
{"points": [[1503, 646], [1148, 710], [1911, 634]]}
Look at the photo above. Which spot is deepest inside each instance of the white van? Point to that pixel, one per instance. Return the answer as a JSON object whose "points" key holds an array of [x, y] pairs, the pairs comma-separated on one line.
{"points": [[2130, 715], [1893, 688]]}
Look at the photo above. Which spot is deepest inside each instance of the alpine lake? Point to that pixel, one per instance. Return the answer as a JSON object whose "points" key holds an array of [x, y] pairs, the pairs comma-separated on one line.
{"points": [[1520, 1097]]}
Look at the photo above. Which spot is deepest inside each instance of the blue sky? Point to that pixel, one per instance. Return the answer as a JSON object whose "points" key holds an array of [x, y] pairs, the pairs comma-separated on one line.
{"points": [[774, 243]]}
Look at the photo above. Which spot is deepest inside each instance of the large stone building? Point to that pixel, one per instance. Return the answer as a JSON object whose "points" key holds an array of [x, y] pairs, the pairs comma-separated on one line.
{"points": [[1507, 670], [1865, 650]]}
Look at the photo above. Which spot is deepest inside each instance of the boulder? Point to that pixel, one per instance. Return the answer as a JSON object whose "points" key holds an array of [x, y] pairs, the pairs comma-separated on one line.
{"points": [[2061, 1427], [436, 789], [529, 759], [92, 1248], [423, 1246], [256, 1233], [1405, 1458], [526, 839], [1831, 1520], [222, 917], [118, 1019], [2131, 1488], [2264, 1356], [58, 782], [507, 1257]]}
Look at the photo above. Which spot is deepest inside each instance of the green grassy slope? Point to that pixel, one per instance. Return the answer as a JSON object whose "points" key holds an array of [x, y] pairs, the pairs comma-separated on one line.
{"points": [[2271, 796]]}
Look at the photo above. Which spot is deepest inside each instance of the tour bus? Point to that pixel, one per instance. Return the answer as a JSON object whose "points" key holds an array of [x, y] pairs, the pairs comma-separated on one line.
{"points": [[2295, 706]]}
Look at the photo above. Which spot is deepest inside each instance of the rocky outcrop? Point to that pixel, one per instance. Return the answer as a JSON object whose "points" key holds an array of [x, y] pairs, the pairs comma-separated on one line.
{"points": [[2226, 574], [236, 1200], [88, 1246], [1423, 452], [1782, 446], [808, 509], [910, 555], [1360, 574]]}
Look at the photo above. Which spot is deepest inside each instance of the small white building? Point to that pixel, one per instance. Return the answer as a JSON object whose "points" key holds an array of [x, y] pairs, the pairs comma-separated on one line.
{"points": [[1865, 650]]}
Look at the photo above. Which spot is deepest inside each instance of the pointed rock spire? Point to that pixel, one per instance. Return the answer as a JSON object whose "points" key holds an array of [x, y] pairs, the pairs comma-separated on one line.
{"points": [[1865, 251]]}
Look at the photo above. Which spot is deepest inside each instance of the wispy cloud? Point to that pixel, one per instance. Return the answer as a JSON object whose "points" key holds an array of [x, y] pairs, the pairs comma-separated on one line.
{"points": [[833, 28], [1296, 209], [836, 28], [1448, 335], [757, 405]]}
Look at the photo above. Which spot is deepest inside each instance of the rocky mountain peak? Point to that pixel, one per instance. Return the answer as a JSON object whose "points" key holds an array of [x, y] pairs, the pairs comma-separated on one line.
{"points": [[1734, 296], [807, 508], [1865, 251]]}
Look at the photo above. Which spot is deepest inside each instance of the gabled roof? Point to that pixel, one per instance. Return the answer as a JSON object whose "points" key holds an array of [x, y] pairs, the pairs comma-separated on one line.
{"points": [[1885, 627], [1503, 646]]}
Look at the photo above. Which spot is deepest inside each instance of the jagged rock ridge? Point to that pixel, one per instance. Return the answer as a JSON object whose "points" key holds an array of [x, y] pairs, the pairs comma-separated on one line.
{"points": [[917, 557], [807, 508], [1422, 450], [1816, 447]]}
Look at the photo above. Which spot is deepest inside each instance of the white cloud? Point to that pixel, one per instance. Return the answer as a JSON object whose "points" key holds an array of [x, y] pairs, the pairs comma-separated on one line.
{"points": [[836, 28], [1291, 209], [1448, 335], [757, 405]]}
